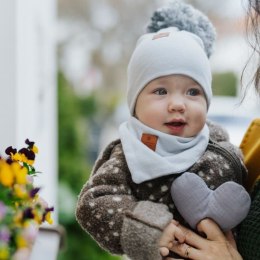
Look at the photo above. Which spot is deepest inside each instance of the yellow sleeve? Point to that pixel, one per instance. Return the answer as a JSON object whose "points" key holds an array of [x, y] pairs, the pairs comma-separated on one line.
{"points": [[250, 147]]}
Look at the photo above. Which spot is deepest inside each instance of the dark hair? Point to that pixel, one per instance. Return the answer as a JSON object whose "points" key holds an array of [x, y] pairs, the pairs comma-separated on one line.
{"points": [[253, 26]]}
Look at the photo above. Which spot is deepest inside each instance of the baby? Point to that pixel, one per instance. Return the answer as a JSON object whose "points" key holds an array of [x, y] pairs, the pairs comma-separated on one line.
{"points": [[166, 145]]}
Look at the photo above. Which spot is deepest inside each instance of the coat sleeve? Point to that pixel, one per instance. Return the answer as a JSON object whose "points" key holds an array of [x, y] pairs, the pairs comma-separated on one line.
{"points": [[109, 212]]}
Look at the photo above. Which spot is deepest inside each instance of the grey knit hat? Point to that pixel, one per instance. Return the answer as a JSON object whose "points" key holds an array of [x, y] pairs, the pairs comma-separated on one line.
{"points": [[177, 47]]}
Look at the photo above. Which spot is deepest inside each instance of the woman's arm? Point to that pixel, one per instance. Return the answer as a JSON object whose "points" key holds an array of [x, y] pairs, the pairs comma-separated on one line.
{"points": [[216, 245]]}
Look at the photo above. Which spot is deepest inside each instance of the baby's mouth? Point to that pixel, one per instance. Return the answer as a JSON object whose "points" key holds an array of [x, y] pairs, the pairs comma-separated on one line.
{"points": [[176, 124]]}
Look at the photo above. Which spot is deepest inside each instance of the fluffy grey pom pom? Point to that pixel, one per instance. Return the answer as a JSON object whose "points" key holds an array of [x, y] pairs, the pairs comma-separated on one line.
{"points": [[184, 17]]}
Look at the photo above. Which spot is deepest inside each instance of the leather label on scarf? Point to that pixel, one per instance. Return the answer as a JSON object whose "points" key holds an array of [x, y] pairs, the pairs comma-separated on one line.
{"points": [[149, 140]]}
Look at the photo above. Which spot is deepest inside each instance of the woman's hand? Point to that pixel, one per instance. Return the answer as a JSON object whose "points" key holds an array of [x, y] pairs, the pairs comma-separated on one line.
{"points": [[171, 234], [215, 246]]}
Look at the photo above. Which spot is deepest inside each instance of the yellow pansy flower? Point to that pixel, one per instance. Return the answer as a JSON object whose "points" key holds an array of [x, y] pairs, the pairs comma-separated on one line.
{"points": [[20, 191], [16, 157], [24, 158], [37, 216], [4, 252], [20, 241], [18, 217], [6, 174], [48, 218], [25, 209], [30, 162], [20, 173], [35, 149]]}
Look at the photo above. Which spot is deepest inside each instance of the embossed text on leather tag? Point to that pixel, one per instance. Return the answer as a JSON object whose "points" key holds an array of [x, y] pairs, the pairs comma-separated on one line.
{"points": [[149, 140], [161, 35]]}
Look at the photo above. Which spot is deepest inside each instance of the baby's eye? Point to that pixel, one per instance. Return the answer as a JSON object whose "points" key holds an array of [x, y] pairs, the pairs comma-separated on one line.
{"points": [[160, 91], [193, 92]]}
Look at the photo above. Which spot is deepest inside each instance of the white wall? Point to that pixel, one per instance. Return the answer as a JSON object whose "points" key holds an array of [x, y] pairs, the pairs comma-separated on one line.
{"points": [[28, 84]]}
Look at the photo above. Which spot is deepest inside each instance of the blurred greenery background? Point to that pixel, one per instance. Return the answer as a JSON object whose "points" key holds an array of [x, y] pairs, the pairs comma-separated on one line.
{"points": [[95, 39], [75, 114]]}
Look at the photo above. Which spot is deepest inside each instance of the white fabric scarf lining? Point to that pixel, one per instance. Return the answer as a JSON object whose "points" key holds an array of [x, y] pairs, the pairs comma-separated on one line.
{"points": [[173, 154]]}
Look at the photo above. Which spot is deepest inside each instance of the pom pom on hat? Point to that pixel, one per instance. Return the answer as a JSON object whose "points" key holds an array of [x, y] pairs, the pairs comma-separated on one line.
{"points": [[176, 44], [184, 17]]}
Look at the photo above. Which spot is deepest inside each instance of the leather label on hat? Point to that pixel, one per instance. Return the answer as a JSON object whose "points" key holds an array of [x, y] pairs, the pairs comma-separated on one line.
{"points": [[161, 35], [149, 140]]}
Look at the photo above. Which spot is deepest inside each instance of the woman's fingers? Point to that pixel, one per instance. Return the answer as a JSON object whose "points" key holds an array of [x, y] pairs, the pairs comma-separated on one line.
{"points": [[215, 246], [164, 251], [211, 230], [192, 238], [186, 251], [195, 245], [230, 238], [170, 258], [170, 234]]}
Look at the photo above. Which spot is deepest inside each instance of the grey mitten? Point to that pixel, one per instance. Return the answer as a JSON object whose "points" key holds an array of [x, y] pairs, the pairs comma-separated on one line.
{"points": [[228, 205]]}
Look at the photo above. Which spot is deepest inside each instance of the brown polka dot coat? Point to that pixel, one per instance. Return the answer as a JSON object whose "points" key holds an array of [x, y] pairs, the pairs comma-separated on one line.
{"points": [[128, 218]]}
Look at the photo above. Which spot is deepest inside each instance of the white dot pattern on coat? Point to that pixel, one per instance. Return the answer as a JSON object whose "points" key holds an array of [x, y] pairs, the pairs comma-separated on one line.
{"points": [[113, 160], [92, 189], [103, 171], [151, 197], [212, 187], [201, 174], [164, 188], [171, 206], [110, 211], [92, 204], [111, 224], [226, 166], [117, 199], [116, 170], [220, 172]]}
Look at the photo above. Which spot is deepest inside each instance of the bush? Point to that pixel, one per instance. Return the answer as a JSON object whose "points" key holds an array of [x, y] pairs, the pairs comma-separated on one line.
{"points": [[224, 84], [74, 169]]}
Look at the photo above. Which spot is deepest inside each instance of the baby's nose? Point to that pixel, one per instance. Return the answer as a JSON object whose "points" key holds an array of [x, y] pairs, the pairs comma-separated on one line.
{"points": [[176, 104]]}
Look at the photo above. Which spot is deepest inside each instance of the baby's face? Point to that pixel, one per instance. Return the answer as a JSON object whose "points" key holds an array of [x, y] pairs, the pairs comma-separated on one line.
{"points": [[173, 104]]}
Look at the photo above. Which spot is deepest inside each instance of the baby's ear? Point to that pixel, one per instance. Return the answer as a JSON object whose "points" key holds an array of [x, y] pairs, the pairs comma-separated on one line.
{"points": [[217, 133]]}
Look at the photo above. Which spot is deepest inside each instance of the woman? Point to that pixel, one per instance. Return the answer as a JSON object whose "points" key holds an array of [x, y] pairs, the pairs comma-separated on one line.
{"points": [[217, 245]]}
